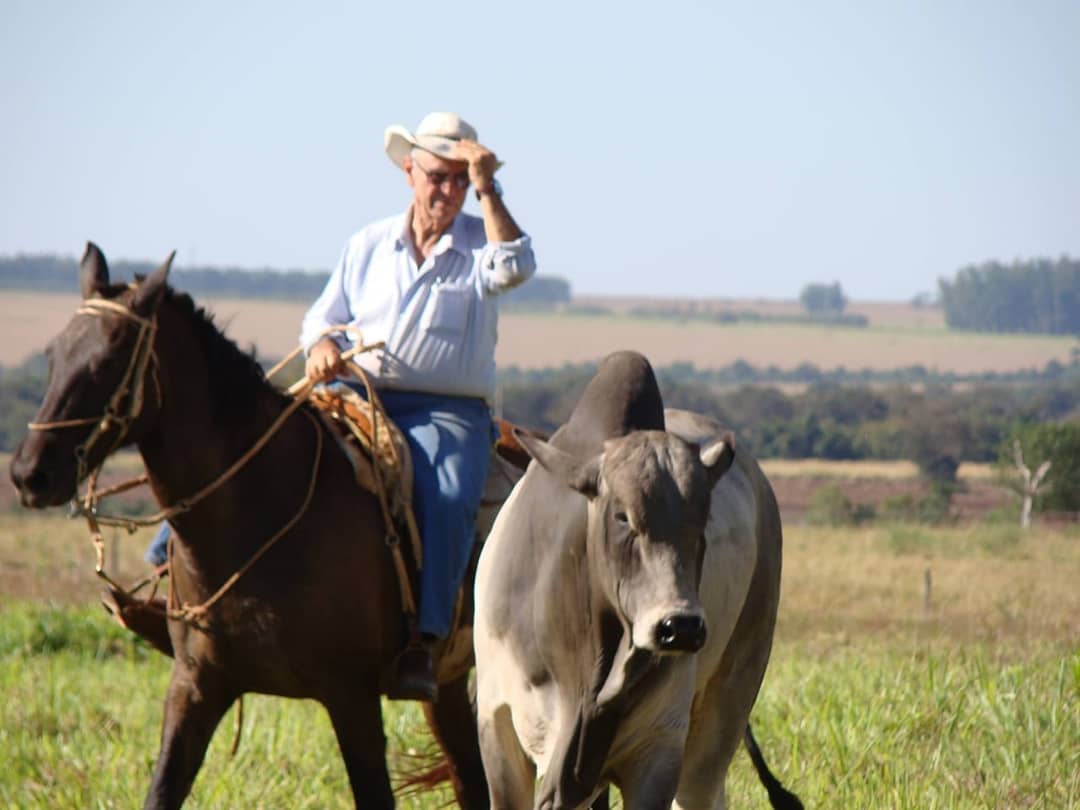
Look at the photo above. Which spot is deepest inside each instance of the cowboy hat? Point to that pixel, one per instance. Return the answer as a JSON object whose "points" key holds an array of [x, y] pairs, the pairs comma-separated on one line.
{"points": [[438, 133]]}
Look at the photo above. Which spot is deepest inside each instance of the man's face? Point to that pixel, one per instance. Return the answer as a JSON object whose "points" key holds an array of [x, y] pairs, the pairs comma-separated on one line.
{"points": [[438, 185]]}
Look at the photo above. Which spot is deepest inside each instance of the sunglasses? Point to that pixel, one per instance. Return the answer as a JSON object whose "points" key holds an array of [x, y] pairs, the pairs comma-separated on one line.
{"points": [[460, 180]]}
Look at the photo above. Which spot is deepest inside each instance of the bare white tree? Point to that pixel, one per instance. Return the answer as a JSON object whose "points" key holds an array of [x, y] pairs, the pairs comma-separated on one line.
{"points": [[1031, 483]]}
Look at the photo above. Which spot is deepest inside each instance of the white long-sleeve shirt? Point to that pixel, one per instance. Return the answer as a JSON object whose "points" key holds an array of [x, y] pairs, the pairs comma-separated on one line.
{"points": [[439, 319]]}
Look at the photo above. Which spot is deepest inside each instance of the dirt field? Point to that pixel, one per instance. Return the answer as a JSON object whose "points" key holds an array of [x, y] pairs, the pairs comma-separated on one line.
{"points": [[28, 320]]}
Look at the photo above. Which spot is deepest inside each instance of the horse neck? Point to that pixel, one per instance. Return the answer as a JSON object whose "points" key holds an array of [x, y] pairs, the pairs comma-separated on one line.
{"points": [[190, 444]]}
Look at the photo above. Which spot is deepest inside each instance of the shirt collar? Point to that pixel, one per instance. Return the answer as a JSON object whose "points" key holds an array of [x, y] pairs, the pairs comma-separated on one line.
{"points": [[453, 238]]}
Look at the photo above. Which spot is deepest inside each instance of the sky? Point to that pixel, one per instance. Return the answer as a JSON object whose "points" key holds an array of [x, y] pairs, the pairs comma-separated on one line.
{"points": [[675, 149]]}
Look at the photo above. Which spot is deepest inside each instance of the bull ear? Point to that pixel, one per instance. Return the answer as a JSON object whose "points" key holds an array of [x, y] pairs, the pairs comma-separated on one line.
{"points": [[152, 289], [717, 455], [93, 271], [584, 476]]}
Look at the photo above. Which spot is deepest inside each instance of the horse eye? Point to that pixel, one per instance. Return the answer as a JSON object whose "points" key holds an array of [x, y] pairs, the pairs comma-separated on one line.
{"points": [[622, 518]]}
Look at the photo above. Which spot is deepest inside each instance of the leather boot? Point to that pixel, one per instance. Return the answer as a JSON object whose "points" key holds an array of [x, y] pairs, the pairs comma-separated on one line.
{"points": [[145, 619], [414, 674]]}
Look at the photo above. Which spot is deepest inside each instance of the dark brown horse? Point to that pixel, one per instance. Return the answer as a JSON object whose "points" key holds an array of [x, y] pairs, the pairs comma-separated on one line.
{"points": [[319, 616]]}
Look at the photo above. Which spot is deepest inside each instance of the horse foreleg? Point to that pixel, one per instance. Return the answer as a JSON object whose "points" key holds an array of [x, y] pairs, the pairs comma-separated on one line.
{"points": [[357, 720], [194, 706], [452, 720]]}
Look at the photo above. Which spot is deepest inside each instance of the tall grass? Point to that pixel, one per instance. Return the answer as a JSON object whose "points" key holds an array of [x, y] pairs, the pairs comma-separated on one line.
{"points": [[878, 694]]}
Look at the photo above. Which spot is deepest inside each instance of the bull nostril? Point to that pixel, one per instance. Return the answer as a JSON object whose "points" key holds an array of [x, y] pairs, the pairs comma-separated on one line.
{"points": [[684, 633], [665, 632]]}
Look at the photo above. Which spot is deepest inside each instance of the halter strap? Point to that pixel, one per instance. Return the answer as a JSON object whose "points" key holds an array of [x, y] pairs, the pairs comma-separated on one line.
{"points": [[99, 306], [63, 423], [132, 383]]}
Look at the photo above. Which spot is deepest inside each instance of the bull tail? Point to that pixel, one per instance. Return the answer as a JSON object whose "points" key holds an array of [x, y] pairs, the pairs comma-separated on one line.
{"points": [[779, 797]]}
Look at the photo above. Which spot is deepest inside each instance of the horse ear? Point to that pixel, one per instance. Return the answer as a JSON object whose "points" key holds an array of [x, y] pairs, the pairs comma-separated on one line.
{"points": [[152, 289], [93, 271]]}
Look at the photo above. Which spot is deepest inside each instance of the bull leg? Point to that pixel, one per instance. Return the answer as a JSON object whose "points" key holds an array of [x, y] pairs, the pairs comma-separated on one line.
{"points": [[651, 785], [453, 723], [717, 728], [511, 774], [194, 705], [357, 721]]}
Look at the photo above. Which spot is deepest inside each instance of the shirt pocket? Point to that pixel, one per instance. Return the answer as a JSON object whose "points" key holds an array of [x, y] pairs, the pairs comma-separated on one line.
{"points": [[448, 308]]}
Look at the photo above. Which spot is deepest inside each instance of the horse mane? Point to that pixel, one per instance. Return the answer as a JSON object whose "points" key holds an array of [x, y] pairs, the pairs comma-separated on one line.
{"points": [[235, 377]]}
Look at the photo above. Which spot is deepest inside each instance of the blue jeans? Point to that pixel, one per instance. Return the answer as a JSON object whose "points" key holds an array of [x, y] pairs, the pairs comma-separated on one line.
{"points": [[157, 553], [450, 439]]}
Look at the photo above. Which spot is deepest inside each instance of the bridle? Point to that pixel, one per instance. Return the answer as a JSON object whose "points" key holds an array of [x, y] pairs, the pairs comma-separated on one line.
{"points": [[126, 403]]}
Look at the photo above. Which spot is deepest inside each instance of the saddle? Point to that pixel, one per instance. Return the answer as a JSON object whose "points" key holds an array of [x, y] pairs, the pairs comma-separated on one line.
{"points": [[379, 454], [382, 464]]}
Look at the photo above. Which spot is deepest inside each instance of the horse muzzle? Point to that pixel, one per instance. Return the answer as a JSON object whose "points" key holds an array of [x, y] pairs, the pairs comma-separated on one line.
{"points": [[39, 481]]}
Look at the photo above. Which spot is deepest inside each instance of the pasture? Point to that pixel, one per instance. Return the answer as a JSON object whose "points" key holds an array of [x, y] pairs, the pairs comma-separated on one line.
{"points": [[896, 338], [879, 694]]}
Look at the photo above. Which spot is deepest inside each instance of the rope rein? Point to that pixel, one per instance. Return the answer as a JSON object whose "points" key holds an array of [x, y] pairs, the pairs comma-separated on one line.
{"points": [[192, 613], [132, 385]]}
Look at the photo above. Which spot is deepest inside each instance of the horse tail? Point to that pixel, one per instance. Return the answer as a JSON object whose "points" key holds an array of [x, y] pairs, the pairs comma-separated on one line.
{"points": [[422, 774], [779, 797]]}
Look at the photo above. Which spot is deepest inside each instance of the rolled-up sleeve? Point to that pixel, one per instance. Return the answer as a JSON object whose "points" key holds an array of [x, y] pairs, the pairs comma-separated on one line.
{"points": [[331, 308], [505, 265]]}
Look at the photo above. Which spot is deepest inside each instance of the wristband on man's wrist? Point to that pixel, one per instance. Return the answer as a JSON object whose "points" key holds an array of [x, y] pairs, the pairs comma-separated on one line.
{"points": [[493, 187]]}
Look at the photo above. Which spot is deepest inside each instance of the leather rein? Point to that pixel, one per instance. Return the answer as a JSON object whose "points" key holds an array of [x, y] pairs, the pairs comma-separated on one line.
{"points": [[124, 407]]}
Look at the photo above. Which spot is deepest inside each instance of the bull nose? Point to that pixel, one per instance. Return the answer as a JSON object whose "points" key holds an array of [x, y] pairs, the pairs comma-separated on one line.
{"points": [[681, 633]]}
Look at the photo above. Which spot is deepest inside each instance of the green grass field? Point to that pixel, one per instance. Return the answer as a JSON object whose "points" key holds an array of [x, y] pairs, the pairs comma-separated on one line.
{"points": [[877, 696]]}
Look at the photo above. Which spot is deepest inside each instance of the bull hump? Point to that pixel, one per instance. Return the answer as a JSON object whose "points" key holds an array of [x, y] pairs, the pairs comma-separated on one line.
{"points": [[622, 396]]}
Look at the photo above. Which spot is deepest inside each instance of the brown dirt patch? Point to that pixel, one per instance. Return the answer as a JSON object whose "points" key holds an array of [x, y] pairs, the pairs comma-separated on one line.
{"points": [[795, 494]]}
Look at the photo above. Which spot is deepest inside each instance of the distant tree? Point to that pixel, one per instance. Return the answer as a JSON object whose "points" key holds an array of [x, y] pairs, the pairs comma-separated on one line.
{"points": [[1029, 482], [936, 436], [21, 391], [539, 291], [823, 299], [1039, 295], [49, 273], [846, 404], [1057, 443], [829, 506]]}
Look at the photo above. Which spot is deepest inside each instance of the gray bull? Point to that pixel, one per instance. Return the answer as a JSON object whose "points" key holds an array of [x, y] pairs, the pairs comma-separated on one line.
{"points": [[625, 604]]}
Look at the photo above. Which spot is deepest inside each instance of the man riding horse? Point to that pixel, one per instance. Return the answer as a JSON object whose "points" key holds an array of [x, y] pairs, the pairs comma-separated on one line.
{"points": [[426, 283]]}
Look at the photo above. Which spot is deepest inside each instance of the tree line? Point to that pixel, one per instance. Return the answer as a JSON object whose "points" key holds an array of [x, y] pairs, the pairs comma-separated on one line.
{"points": [[1039, 295], [934, 424], [836, 415]]}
